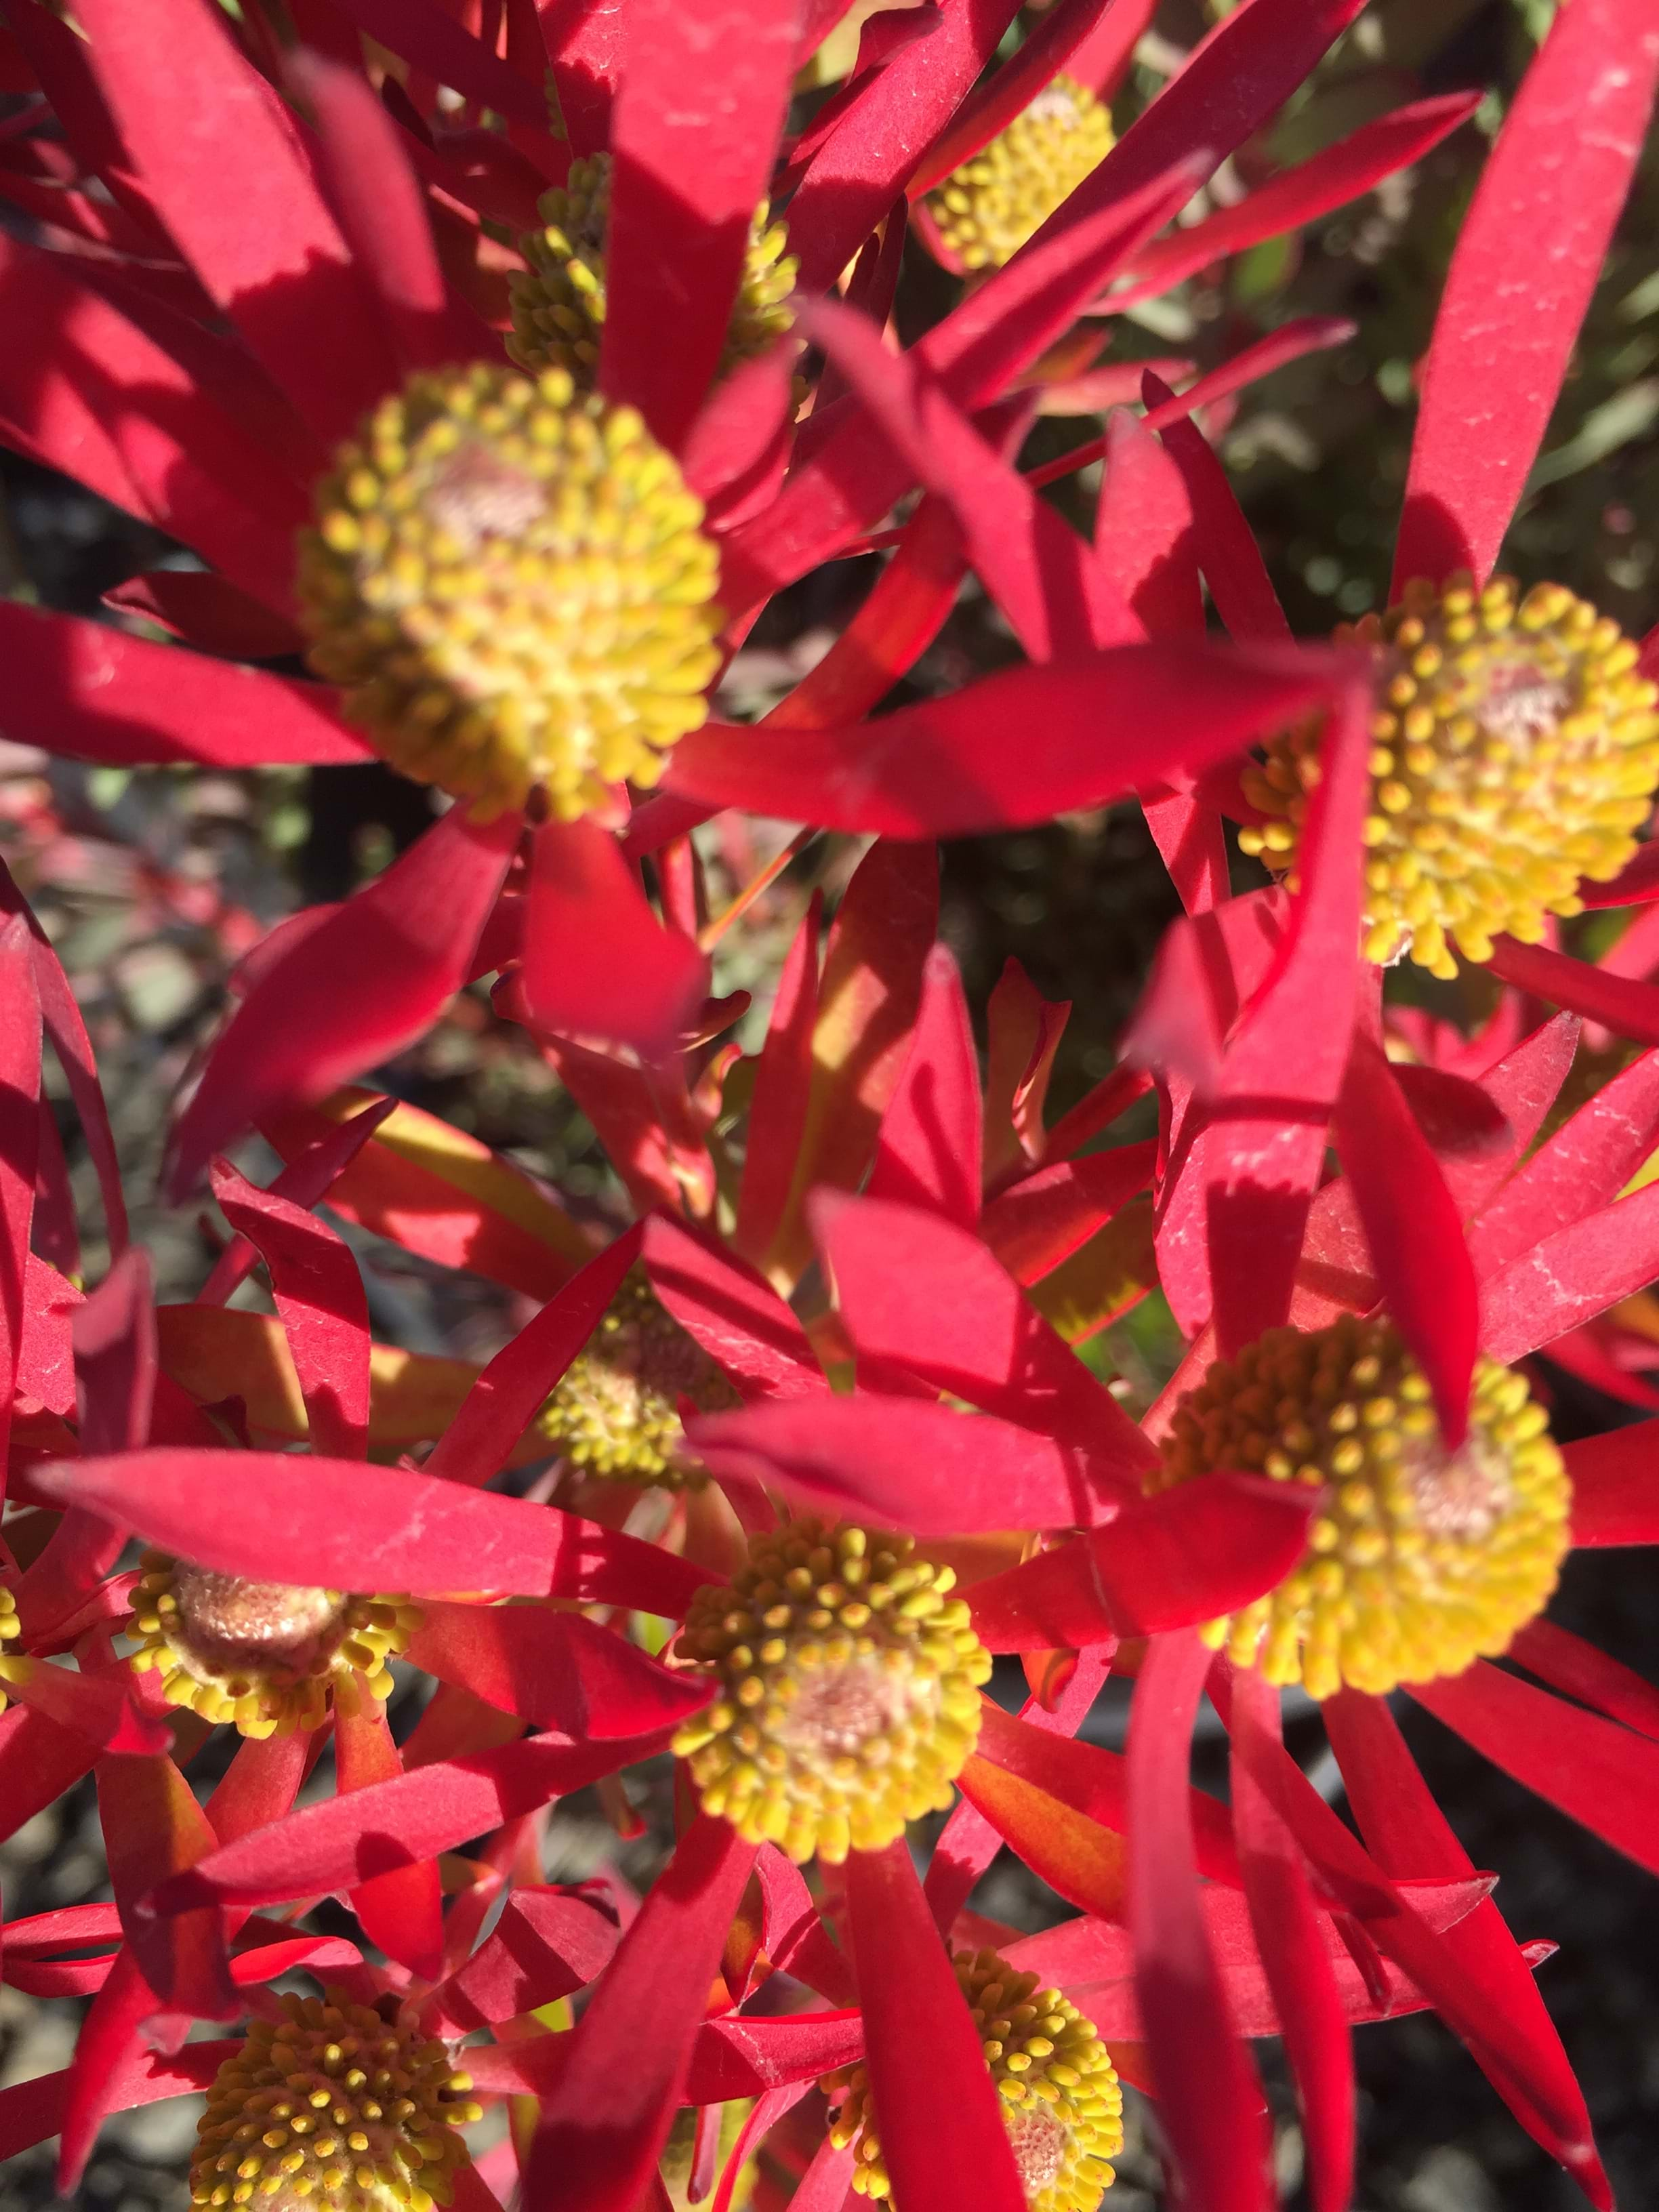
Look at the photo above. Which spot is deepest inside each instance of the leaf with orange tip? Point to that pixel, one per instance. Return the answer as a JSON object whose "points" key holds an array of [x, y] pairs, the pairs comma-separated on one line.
{"points": [[1111, 1274], [742, 1324], [1078, 1858], [1555, 181], [1038, 1223], [368, 980], [928, 1149], [320, 1301], [605, 2121], [1185, 1556], [1209, 2103], [555, 1669], [1409, 1835], [401, 1910], [516, 1384], [435, 1190], [943, 2138], [868, 995], [279, 1516]]}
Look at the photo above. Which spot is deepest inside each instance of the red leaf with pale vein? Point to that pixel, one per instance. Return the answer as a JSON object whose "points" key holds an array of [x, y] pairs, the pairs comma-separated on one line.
{"points": [[547, 1943], [81, 688], [1209, 2102], [928, 1149], [1566, 1663], [1581, 1166], [1298, 196], [1603, 1776], [1630, 1009], [1103, 725], [902, 1463], [280, 1516], [434, 1189], [382, 211], [1049, 49], [783, 1081], [606, 2120], [943, 2138], [1032, 563], [855, 176], [1095, 1783], [401, 1910], [927, 1296], [84, 389], [1186, 1555], [1409, 1835], [319, 1295], [1526, 263], [1422, 1265], [514, 1388], [736, 1318], [366, 981], [555, 1669], [1296, 1946], [1615, 1486], [705, 88], [1571, 1276], [596, 961], [341, 1841], [868, 995], [221, 156], [20, 1143], [1041, 1220]]}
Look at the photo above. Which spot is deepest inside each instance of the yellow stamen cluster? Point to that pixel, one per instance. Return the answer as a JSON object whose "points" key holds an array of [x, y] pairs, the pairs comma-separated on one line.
{"points": [[558, 300], [1419, 1560], [1062, 2102], [848, 1701], [1515, 750], [988, 209], [263, 1656], [11, 1628], [338, 2105], [512, 584], [617, 1411]]}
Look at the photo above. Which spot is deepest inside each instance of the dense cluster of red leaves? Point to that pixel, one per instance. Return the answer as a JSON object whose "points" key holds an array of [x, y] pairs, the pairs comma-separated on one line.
{"points": [[237, 245]]}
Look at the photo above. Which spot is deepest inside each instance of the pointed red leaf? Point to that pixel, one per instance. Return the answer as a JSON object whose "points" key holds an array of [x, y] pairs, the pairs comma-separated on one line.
{"points": [[1571, 1275], [320, 1296], [547, 1943], [1023, 1032], [33, 2112], [927, 1296], [216, 147], [524, 1373], [1615, 1486], [1186, 1555], [280, 1516], [1566, 1663], [555, 1670], [943, 768], [401, 1910], [705, 85], [366, 980], [1627, 1007], [1596, 1773], [597, 963], [1547, 204], [1222, 540], [942, 2132], [428, 36], [20, 1143], [1411, 1221], [1041, 1220], [783, 1078], [1580, 1167], [927, 1150], [738, 1320], [1209, 2102], [605, 2122]]}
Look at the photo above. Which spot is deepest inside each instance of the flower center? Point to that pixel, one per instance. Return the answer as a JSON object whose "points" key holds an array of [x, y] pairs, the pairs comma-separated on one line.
{"points": [[616, 1410], [1061, 2101], [849, 1697], [264, 1655], [511, 583], [558, 300], [1419, 1560], [988, 209], [337, 2104], [1515, 750]]}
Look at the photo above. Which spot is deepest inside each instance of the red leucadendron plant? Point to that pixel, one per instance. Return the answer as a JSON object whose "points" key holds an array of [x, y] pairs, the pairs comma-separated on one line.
{"points": [[503, 365]]}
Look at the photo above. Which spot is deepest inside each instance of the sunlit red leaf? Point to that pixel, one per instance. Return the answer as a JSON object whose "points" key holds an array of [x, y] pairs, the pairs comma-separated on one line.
{"points": [[1578, 1168], [928, 1149], [1043, 1220], [783, 1080], [401, 1910], [741, 1323], [1615, 1486], [1571, 1275], [555, 1670], [20, 1141], [547, 1943]]}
